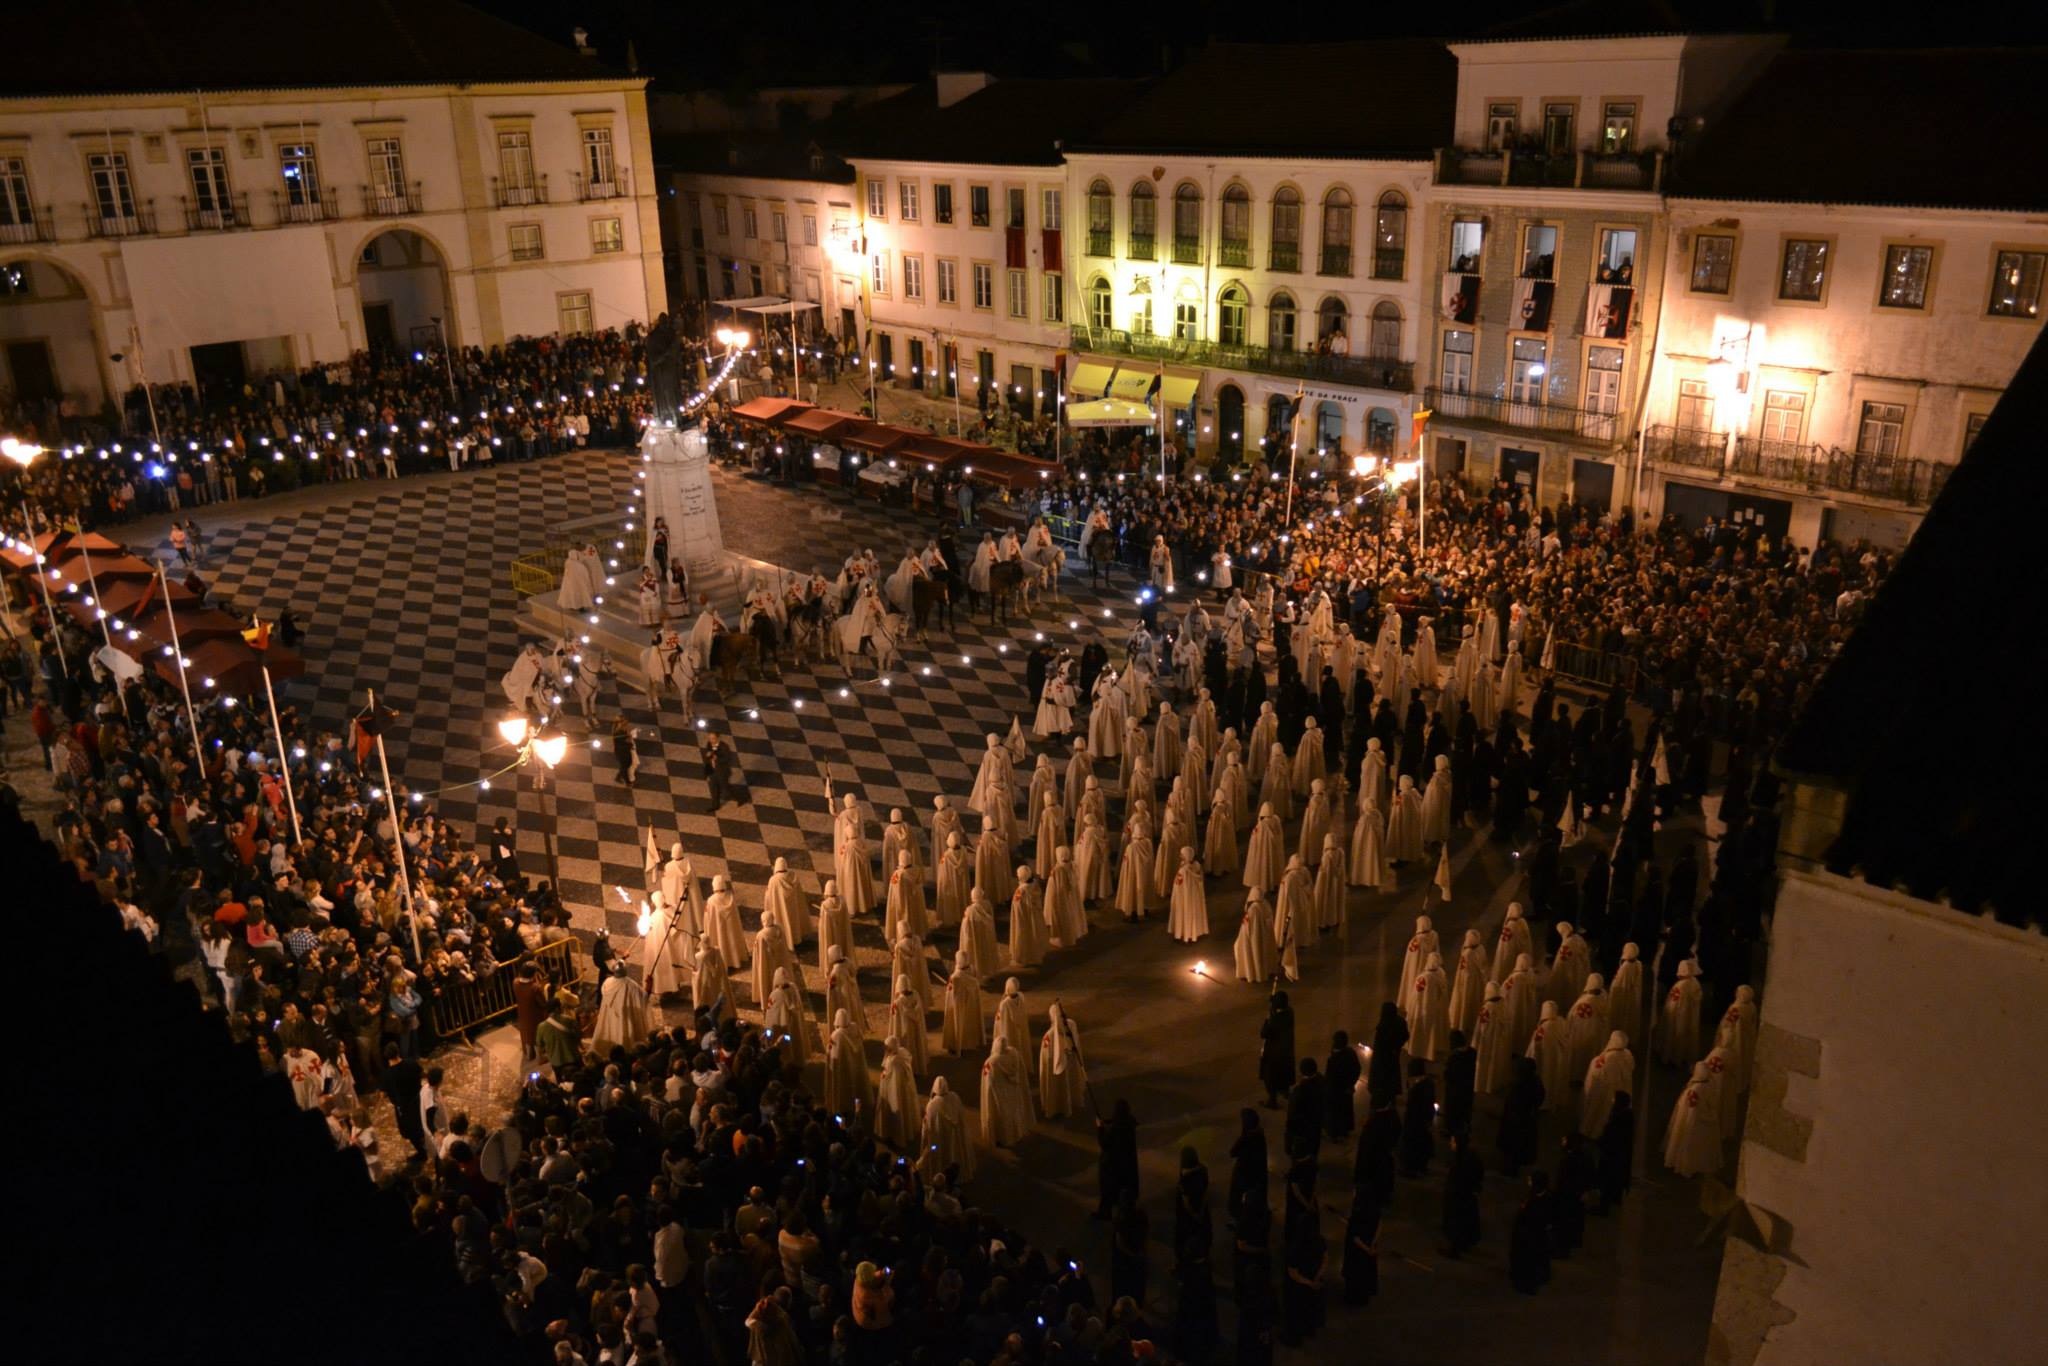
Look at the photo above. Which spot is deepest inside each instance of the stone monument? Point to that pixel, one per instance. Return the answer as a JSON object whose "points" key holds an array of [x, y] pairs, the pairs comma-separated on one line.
{"points": [[677, 462]]}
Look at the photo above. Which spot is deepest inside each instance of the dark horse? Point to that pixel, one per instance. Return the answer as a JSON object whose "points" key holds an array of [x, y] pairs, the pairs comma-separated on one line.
{"points": [[768, 639], [730, 653], [1005, 582], [1101, 556], [929, 593]]}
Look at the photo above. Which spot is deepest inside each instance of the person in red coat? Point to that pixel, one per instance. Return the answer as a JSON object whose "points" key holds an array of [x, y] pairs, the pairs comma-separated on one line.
{"points": [[530, 999]]}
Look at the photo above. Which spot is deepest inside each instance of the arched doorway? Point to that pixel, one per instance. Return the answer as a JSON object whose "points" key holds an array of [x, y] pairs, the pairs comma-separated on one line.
{"points": [[402, 282], [1230, 424], [49, 346], [1380, 431], [1329, 429], [1277, 424]]}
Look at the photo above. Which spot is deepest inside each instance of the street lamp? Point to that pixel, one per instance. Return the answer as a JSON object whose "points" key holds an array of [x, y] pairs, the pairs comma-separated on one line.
{"points": [[24, 453], [550, 748]]}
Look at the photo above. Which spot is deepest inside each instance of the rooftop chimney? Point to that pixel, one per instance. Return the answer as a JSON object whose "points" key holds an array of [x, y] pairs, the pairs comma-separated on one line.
{"points": [[955, 86]]}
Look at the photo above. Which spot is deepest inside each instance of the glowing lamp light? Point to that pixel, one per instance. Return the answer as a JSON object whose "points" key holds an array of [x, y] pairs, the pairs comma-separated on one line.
{"points": [[552, 749], [1200, 969], [514, 729]]}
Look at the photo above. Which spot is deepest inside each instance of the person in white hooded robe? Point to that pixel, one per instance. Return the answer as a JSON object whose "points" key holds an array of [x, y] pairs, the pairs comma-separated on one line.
{"points": [[978, 936], [1625, 992], [962, 1030], [786, 900], [1167, 749], [1569, 968], [1006, 1113], [1328, 896], [906, 961], [1013, 1020], [1611, 1071], [1135, 892], [1315, 824], [1309, 764], [1049, 834], [907, 1023], [1523, 995], [1258, 745], [1236, 786], [1421, 945], [1219, 838], [1588, 1022], [945, 823], [1092, 866], [1678, 1017], [1027, 920], [1066, 920], [1468, 983], [1294, 915], [622, 1016], [1404, 824], [1511, 943], [681, 890], [992, 876], [978, 568], [1062, 1073], [771, 954], [582, 581], [1372, 774], [1436, 804], [1497, 1048], [666, 952], [842, 992], [1429, 1026], [835, 925], [955, 881], [1737, 1034], [944, 1143], [1265, 857], [991, 789], [899, 1115], [849, 1087], [789, 1016], [1551, 1049], [852, 864], [899, 838], [1721, 1072], [1106, 717], [710, 982], [722, 923], [1074, 779], [1277, 788], [1187, 917], [1368, 861], [1256, 952], [904, 912], [1692, 1138]]}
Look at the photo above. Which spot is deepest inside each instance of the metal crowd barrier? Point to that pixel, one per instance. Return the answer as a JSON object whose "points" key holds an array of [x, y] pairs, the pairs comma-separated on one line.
{"points": [[1599, 667], [465, 1005]]}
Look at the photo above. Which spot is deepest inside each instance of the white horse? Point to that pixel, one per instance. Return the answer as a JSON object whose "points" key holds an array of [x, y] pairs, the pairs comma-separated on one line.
{"points": [[585, 680], [882, 641]]}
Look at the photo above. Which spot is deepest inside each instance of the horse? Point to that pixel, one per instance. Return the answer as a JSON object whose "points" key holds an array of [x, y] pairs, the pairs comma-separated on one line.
{"points": [[1101, 557], [881, 642], [1005, 581], [807, 627], [731, 652], [767, 637], [1045, 565], [586, 680], [927, 593]]}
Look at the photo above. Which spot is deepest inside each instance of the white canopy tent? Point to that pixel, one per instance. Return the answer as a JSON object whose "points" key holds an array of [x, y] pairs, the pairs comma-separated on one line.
{"points": [[775, 306]]}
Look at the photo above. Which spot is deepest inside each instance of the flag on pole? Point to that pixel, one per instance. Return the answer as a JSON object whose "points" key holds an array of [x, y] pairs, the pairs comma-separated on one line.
{"points": [[1417, 423], [1569, 824], [653, 854], [258, 635]]}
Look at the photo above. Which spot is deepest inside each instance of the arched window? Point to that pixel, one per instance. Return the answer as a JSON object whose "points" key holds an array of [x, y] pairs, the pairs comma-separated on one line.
{"points": [[1286, 253], [1280, 323], [1187, 225], [1336, 259], [1329, 429], [1234, 235], [1144, 222], [1379, 431], [1232, 308], [1276, 438], [1385, 343], [1101, 305], [1390, 237], [1333, 328], [1230, 424], [1101, 219]]}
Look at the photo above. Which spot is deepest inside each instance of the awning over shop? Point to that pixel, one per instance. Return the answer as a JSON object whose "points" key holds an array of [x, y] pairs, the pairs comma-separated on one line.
{"points": [[1133, 384], [1178, 391], [227, 667], [120, 599], [1090, 380], [1007, 467], [1109, 412], [770, 412], [821, 424], [773, 307], [874, 436]]}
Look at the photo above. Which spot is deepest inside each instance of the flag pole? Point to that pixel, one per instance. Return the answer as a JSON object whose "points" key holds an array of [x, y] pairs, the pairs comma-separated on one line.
{"points": [[43, 579], [412, 916], [178, 656], [283, 759], [92, 582], [1293, 452]]}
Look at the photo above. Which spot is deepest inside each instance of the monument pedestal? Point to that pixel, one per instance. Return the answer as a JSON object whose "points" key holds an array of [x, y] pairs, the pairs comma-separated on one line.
{"points": [[678, 491]]}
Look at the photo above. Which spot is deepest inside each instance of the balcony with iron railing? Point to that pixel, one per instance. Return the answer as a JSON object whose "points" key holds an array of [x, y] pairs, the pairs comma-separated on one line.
{"points": [[391, 201], [1284, 256], [1233, 252], [1796, 466], [1187, 251], [221, 214], [139, 221], [1557, 419], [1389, 374], [303, 205], [1389, 263], [1335, 260], [1139, 246], [26, 224], [616, 184], [1101, 242], [1557, 170], [519, 193]]}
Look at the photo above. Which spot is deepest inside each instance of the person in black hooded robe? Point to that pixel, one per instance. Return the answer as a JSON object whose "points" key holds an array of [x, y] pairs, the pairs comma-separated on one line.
{"points": [[1276, 1049], [1383, 1072], [1521, 1117]]}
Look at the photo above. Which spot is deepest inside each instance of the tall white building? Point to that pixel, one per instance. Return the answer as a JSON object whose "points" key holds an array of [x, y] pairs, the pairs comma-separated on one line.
{"points": [[1840, 316], [319, 182]]}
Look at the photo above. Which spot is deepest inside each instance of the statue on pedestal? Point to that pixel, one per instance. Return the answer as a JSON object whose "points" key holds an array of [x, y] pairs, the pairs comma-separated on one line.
{"points": [[665, 370]]}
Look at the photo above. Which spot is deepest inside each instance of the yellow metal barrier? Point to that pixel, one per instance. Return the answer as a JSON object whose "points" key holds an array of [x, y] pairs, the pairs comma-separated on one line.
{"points": [[465, 1005], [540, 571]]}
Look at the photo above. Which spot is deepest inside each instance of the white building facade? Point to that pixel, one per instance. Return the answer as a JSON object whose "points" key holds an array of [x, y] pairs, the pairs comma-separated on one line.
{"points": [[210, 236], [749, 236]]}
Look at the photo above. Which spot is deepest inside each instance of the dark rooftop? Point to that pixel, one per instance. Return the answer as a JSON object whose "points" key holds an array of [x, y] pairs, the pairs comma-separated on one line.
{"points": [[90, 47], [1926, 717], [1908, 128], [769, 155], [1006, 123], [1388, 99]]}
